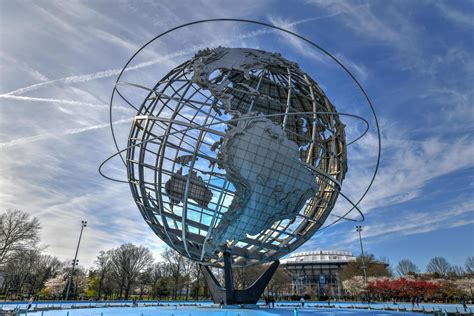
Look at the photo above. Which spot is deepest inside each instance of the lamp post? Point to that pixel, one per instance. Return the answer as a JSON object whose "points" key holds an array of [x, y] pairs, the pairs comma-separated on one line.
{"points": [[74, 261], [359, 230]]}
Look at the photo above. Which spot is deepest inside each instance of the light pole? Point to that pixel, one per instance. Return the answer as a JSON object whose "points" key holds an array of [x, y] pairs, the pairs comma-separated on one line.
{"points": [[359, 230], [74, 261]]}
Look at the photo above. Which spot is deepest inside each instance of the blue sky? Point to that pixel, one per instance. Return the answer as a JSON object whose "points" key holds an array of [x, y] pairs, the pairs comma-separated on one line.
{"points": [[59, 60]]}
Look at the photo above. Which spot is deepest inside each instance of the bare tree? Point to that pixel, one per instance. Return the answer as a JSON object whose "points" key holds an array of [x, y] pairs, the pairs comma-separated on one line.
{"points": [[18, 232], [457, 271], [145, 281], [127, 262], [174, 266], [438, 265], [406, 267], [198, 280], [18, 271], [279, 282], [374, 268], [157, 271], [27, 272], [188, 266], [469, 265], [103, 264], [244, 277]]}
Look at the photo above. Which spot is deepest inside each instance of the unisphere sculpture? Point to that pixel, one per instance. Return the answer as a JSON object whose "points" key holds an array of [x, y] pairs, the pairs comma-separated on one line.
{"points": [[236, 157]]}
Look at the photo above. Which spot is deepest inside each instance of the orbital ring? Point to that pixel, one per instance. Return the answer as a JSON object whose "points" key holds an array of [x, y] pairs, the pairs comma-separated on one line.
{"points": [[191, 127], [337, 187]]}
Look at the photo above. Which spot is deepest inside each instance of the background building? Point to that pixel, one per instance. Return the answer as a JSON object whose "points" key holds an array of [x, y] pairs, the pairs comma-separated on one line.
{"points": [[317, 273]]}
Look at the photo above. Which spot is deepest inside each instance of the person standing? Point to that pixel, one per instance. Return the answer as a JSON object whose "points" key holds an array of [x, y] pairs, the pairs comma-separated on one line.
{"points": [[30, 302], [463, 303], [302, 302]]}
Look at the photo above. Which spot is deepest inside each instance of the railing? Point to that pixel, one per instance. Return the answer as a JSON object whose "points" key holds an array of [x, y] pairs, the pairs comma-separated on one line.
{"points": [[42, 309]]}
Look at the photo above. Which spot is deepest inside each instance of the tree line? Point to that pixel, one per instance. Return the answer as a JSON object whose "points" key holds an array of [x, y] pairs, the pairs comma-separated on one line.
{"points": [[119, 273], [441, 281], [131, 271], [437, 267]]}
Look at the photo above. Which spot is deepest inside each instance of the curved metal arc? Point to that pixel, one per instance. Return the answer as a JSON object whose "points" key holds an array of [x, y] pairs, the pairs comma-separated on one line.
{"points": [[125, 99], [107, 160], [354, 206], [125, 83]]}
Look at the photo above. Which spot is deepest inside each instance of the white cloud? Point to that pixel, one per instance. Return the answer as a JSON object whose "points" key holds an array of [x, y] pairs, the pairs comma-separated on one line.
{"points": [[48, 100], [407, 166], [55, 130], [457, 17], [411, 223], [114, 72], [26, 140]]}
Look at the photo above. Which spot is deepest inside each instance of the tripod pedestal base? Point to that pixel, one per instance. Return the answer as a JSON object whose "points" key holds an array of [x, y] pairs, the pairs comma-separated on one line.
{"points": [[228, 295]]}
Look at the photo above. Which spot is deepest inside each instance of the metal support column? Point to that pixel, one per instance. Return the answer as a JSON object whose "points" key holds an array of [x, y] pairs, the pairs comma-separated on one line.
{"points": [[228, 294]]}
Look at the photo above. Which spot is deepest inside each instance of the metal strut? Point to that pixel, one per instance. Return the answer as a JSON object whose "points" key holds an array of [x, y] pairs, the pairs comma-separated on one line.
{"points": [[227, 294]]}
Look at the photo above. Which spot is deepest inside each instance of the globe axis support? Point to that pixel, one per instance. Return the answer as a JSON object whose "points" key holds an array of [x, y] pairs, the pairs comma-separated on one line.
{"points": [[228, 294]]}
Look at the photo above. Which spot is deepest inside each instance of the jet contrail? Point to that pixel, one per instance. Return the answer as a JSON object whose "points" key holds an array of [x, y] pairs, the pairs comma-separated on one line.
{"points": [[112, 72], [116, 71], [49, 100], [29, 139], [91, 76]]}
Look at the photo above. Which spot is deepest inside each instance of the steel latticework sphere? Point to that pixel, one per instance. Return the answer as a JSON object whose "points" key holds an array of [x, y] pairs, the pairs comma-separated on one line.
{"points": [[236, 148]]}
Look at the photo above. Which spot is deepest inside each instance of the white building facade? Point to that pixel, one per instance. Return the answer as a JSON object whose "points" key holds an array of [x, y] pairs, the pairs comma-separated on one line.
{"points": [[317, 273]]}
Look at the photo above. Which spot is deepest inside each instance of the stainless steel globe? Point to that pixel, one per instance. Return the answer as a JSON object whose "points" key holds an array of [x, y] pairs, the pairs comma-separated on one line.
{"points": [[236, 148]]}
